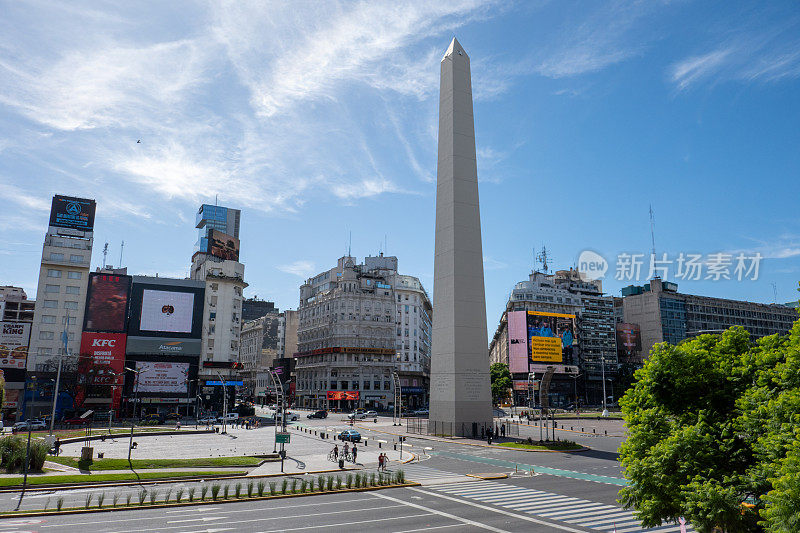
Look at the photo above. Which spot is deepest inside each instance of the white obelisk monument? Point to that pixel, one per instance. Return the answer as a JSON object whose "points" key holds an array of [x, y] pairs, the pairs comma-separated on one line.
{"points": [[460, 392]]}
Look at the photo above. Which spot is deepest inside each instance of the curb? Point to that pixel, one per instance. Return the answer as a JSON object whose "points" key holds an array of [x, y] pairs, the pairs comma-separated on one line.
{"points": [[74, 440], [488, 476], [203, 502], [161, 481], [493, 446], [575, 431]]}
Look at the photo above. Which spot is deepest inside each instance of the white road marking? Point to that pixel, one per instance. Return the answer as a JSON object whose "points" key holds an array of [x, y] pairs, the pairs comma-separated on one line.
{"points": [[442, 513]]}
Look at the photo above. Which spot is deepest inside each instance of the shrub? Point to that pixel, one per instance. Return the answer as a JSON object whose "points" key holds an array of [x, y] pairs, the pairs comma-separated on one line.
{"points": [[349, 481], [237, 490], [215, 491], [225, 491], [321, 483], [100, 499], [128, 499], [153, 496], [38, 456], [330, 482], [272, 489], [338, 482], [9, 453], [294, 486], [372, 479], [114, 499], [59, 504], [284, 484], [401, 476], [204, 491], [179, 495], [142, 496], [260, 488], [88, 500], [249, 489], [168, 495], [46, 504], [191, 494]]}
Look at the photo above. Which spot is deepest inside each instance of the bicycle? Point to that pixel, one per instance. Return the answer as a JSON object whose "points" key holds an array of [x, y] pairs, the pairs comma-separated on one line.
{"points": [[333, 457]]}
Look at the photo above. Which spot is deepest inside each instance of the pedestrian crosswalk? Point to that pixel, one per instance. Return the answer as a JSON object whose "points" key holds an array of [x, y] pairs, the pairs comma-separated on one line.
{"points": [[576, 511], [426, 475]]}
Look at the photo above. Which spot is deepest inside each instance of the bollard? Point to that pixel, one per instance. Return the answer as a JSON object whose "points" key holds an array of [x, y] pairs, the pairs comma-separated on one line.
{"points": [[581, 430], [594, 430], [395, 446], [606, 432], [571, 428], [379, 444]]}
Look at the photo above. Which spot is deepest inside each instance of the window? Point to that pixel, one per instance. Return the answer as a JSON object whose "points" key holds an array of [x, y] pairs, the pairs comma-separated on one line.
{"points": [[46, 335], [71, 320], [75, 258], [73, 275], [45, 351], [377, 385], [51, 304], [53, 273], [48, 319], [70, 305], [215, 286], [52, 288], [387, 385], [56, 257], [72, 289]]}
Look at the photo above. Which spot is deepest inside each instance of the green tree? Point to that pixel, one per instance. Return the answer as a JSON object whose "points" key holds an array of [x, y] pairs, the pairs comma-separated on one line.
{"points": [[714, 434], [501, 381]]}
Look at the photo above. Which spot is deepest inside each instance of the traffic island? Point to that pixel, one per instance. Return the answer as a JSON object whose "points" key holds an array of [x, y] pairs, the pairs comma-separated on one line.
{"points": [[215, 493]]}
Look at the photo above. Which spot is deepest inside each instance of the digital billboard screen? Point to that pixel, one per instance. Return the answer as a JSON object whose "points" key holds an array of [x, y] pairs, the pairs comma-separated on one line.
{"points": [[167, 311], [517, 342], [223, 245], [73, 213], [14, 339], [551, 336], [162, 377], [101, 367], [107, 303], [629, 343]]}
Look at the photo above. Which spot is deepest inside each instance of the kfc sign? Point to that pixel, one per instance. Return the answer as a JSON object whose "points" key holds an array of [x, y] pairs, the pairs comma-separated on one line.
{"points": [[103, 350]]}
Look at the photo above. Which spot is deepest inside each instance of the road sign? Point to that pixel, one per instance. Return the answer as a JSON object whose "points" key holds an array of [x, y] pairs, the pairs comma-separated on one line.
{"points": [[282, 438]]}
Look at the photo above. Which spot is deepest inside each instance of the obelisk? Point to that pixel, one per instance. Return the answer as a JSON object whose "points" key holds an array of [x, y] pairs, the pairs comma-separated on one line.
{"points": [[460, 398]]}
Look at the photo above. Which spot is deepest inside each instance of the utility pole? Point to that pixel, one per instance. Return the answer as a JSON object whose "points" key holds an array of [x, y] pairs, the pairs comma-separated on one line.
{"points": [[224, 403], [65, 338], [603, 367], [133, 418]]}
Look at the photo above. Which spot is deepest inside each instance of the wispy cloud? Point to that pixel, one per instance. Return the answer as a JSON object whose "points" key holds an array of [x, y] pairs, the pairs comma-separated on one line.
{"points": [[690, 70], [493, 264], [303, 269]]}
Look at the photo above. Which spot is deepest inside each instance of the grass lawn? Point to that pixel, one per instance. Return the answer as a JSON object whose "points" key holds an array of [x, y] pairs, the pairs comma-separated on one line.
{"points": [[84, 478], [96, 432], [143, 464], [558, 445]]}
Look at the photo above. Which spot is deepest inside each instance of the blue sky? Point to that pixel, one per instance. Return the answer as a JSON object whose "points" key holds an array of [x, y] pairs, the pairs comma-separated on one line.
{"points": [[319, 119]]}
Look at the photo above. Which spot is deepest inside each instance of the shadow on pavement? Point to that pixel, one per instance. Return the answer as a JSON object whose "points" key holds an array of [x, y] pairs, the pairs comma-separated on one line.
{"points": [[596, 454]]}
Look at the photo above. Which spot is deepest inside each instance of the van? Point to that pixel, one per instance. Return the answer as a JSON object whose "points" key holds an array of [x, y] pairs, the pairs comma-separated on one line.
{"points": [[230, 417]]}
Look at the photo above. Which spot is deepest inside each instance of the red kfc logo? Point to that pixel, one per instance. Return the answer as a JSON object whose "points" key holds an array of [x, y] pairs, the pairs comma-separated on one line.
{"points": [[110, 343]]}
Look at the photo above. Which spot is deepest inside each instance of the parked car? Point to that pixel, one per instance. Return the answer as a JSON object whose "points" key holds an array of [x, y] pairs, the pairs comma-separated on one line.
{"points": [[35, 425], [153, 418], [371, 414], [356, 416], [318, 414], [207, 420], [174, 416], [350, 435], [421, 412], [228, 417], [77, 421]]}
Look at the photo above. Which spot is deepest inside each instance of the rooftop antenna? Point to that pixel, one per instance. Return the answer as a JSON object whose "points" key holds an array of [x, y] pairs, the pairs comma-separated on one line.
{"points": [[652, 230], [121, 249], [774, 293], [216, 200], [385, 243], [542, 258], [105, 254], [350, 244]]}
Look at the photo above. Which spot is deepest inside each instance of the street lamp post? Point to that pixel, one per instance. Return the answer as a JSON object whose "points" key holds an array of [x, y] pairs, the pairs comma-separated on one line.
{"points": [[28, 449], [65, 338], [603, 370], [133, 418], [224, 403]]}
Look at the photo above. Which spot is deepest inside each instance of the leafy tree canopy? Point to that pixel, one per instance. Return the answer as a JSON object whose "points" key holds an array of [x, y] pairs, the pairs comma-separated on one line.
{"points": [[501, 381]]}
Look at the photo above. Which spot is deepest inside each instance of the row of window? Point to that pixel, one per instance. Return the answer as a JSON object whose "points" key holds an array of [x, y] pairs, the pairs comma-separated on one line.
{"points": [[56, 273], [53, 304], [55, 289], [73, 258]]}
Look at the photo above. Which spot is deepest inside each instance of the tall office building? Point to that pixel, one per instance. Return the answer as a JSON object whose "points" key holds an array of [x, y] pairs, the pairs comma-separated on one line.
{"points": [[216, 262], [16, 316], [665, 315]]}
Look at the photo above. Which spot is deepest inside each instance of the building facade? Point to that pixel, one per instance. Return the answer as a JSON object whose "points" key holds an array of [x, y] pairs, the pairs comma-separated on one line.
{"points": [[413, 342], [253, 308], [260, 346], [16, 318], [665, 315], [346, 337]]}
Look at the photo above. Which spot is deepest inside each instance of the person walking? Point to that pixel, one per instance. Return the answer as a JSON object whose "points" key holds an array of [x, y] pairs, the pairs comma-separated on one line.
{"points": [[489, 435], [355, 453], [380, 462], [346, 449], [503, 430], [336, 452]]}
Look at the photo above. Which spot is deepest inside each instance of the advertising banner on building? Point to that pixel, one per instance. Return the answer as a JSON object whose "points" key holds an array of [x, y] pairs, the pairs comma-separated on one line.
{"points": [[223, 245], [163, 345], [167, 311], [517, 342], [73, 213], [14, 340], [550, 336], [101, 367], [343, 395], [629, 343], [162, 377], [107, 303]]}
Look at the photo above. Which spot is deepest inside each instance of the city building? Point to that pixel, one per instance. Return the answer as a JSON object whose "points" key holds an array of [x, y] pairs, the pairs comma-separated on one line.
{"points": [[665, 315], [413, 341], [346, 337], [564, 298], [16, 316], [60, 296], [216, 262], [260, 347], [253, 308]]}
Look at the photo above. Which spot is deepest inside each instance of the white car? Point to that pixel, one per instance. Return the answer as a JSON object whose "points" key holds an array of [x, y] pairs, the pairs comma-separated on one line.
{"points": [[291, 417], [371, 414], [207, 420], [34, 425], [229, 417]]}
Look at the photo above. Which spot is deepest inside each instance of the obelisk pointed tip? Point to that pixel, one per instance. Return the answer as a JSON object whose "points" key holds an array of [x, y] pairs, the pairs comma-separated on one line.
{"points": [[455, 48]]}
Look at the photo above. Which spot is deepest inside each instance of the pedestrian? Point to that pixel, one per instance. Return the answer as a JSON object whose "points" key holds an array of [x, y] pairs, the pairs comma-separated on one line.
{"points": [[380, 462], [489, 435], [336, 451], [503, 430], [56, 447], [346, 449], [355, 453]]}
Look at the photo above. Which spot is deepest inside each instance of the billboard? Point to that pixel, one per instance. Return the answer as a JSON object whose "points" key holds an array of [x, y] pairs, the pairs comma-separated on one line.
{"points": [[107, 303], [223, 245], [73, 213], [163, 345], [162, 377], [14, 339], [629, 343], [101, 367], [173, 308], [343, 395], [517, 342], [550, 336]]}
